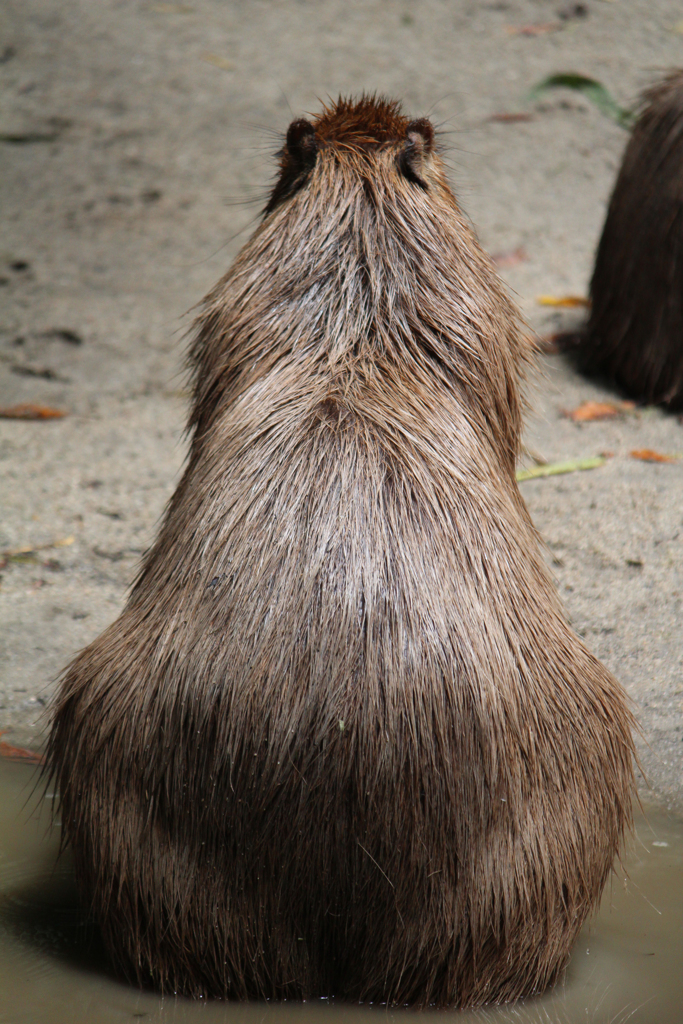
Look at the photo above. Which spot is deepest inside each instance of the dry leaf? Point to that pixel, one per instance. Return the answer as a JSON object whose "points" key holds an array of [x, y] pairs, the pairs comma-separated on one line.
{"points": [[28, 549], [589, 411], [217, 61], [648, 455], [511, 257], [20, 753], [504, 118], [540, 28], [29, 411], [567, 301]]}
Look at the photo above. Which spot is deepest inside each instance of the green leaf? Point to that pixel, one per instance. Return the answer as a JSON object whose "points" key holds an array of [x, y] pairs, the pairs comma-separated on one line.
{"points": [[592, 89], [555, 468]]}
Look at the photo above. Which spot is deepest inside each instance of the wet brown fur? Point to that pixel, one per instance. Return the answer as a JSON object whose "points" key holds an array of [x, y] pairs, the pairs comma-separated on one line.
{"points": [[635, 332], [341, 741]]}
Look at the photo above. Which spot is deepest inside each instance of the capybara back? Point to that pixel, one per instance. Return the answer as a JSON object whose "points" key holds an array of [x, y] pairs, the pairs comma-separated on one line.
{"points": [[342, 742], [635, 331]]}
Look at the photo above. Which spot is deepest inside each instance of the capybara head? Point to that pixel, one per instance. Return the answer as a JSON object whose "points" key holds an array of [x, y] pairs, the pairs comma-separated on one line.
{"points": [[341, 741], [635, 331]]}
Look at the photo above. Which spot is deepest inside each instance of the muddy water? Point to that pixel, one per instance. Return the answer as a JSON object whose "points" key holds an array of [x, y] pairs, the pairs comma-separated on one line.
{"points": [[627, 966]]}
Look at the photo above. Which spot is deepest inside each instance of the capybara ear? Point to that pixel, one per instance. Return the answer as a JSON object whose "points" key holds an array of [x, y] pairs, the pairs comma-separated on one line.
{"points": [[418, 145], [297, 160], [301, 143]]}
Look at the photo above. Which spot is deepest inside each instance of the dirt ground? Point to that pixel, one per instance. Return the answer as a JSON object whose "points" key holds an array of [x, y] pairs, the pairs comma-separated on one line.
{"points": [[136, 146]]}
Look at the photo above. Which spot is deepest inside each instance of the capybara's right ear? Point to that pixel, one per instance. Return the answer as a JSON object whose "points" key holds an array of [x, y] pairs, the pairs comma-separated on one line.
{"points": [[418, 145], [301, 143]]}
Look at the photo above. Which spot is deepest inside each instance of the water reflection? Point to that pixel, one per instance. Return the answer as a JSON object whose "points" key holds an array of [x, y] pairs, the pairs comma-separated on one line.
{"points": [[626, 967]]}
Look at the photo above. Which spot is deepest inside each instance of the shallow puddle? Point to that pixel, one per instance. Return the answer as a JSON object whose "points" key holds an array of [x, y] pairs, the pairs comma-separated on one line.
{"points": [[627, 966]]}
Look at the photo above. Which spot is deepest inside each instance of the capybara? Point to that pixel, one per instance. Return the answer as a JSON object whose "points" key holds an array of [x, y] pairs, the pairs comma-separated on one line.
{"points": [[342, 741], [635, 331]]}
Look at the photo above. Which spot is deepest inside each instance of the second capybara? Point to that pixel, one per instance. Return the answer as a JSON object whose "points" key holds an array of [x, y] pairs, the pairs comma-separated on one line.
{"points": [[342, 741], [635, 331]]}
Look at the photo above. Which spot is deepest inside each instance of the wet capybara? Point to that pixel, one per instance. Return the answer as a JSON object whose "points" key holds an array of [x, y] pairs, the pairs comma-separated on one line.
{"points": [[635, 332], [342, 742]]}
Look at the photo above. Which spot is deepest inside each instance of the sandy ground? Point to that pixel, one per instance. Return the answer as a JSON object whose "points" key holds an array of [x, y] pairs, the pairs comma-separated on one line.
{"points": [[137, 145]]}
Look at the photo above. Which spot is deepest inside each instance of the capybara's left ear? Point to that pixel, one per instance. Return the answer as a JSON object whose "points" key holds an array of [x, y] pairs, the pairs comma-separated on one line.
{"points": [[297, 160], [418, 145], [301, 144]]}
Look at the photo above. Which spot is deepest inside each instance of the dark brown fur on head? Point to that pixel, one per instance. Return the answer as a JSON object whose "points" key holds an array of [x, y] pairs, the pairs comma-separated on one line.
{"points": [[635, 331], [341, 741], [356, 127]]}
